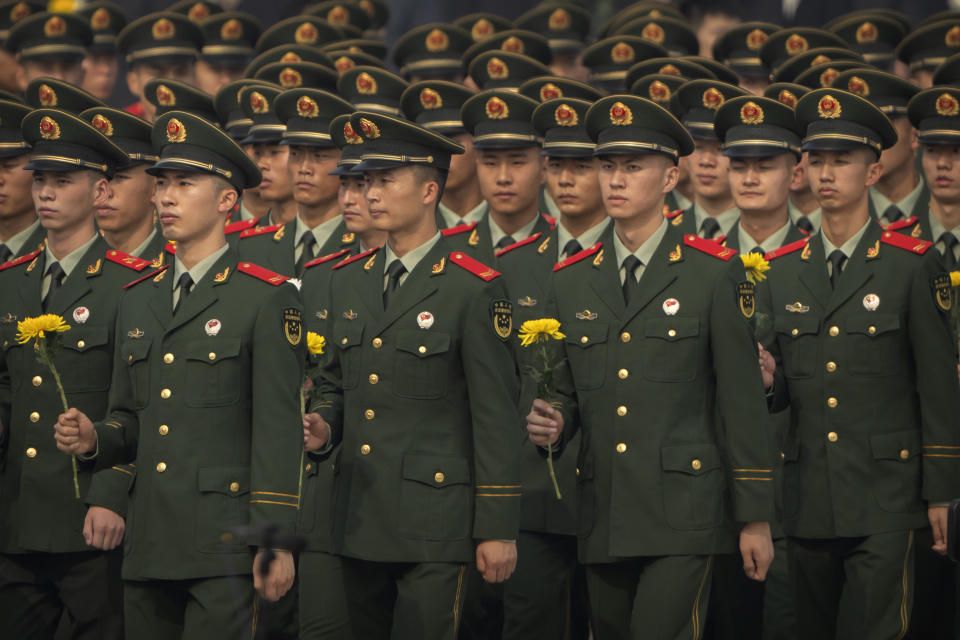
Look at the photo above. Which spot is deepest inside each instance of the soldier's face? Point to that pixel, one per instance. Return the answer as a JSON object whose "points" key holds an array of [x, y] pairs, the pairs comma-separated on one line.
{"points": [[66, 200], [761, 184], [899, 157], [510, 179], [309, 172], [142, 73], [708, 169], [15, 185], [923, 78], [100, 74], [941, 167], [191, 205], [463, 167], [129, 201], [634, 186], [399, 198], [211, 77], [71, 72], [353, 204], [272, 162], [574, 185], [839, 179]]}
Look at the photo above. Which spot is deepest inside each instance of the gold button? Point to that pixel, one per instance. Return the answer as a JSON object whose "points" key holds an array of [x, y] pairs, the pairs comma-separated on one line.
{"points": [[834, 331], [168, 358], [832, 402], [377, 343], [439, 477], [832, 436], [165, 393], [831, 366], [369, 414], [795, 333], [872, 331], [621, 411], [783, 456], [578, 471], [904, 454], [130, 358], [344, 340], [234, 487], [672, 333], [37, 381], [374, 378], [34, 417], [625, 336], [365, 449], [164, 429], [696, 464], [308, 467], [623, 374], [81, 344], [31, 453], [621, 448], [161, 467], [212, 355], [584, 339], [422, 349]]}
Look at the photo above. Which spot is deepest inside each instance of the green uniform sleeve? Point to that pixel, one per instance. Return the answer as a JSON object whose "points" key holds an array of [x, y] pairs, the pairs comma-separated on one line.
{"points": [[110, 488]]}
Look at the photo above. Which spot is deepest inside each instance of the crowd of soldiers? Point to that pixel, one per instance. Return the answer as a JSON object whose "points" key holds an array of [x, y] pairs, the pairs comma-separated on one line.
{"points": [[298, 398]]}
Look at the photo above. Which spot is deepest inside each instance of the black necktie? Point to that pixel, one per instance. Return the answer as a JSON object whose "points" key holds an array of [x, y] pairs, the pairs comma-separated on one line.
{"points": [[630, 283], [758, 250], [836, 259], [892, 214], [504, 242], [56, 279], [804, 224], [394, 272], [5, 253], [184, 285], [949, 257], [573, 247], [709, 228], [307, 241]]}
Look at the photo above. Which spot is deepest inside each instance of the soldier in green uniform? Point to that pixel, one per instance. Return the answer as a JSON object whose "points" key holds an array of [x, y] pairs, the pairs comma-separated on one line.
{"points": [[567, 26], [101, 66], [228, 41], [739, 49], [50, 45], [432, 52], [504, 70], [225, 337], [654, 318], [426, 477], [264, 139], [12, 12], [857, 322], [54, 534], [318, 228], [927, 46], [20, 230], [165, 94]]}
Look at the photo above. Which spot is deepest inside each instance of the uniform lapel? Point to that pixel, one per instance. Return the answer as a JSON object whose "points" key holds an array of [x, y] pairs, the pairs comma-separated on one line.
{"points": [[34, 242], [31, 292], [856, 273], [371, 290], [161, 302], [814, 273], [657, 276], [606, 275], [77, 284], [793, 235], [922, 205], [418, 285], [204, 293], [733, 237]]}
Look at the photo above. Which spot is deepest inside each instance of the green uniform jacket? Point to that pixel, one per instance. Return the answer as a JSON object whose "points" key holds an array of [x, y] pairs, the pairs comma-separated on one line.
{"points": [[274, 246], [654, 391], [475, 239], [920, 207], [427, 416], [159, 252], [208, 403], [35, 241], [38, 507], [873, 393]]}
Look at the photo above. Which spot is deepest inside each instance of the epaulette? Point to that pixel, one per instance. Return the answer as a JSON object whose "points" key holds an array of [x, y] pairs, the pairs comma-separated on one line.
{"points": [[457, 230], [260, 273], [146, 277], [171, 248], [240, 225], [359, 256], [259, 231], [907, 243], [327, 258], [577, 257], [785, 249], [20, 260], [478, 269], [127, 260], [670, 215], [709, 247], [900, 224], [515, 245], [550, 220]]}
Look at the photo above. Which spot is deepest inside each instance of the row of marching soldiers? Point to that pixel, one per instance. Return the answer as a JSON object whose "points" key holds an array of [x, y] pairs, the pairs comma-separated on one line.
{"points": [[338, 353]]}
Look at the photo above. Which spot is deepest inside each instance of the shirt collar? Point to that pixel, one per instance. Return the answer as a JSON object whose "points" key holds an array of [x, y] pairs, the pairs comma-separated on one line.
{"points": [[200, 269], [849, 246], [814, 216], [683, 202], [522, 234], [646, 250], [69, 262], [937, 229], [881, 202], [143, 245], [16, 242], [321, 232], [726, 220], [775, 241], [586, 239], [451, 218], [412, 258]]}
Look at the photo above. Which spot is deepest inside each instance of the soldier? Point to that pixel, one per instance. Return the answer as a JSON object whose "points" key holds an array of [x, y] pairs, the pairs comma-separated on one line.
{"points": [[51, 45], [420, 324], [168, 95], [20, 230], [927, 46], [12, 12], [264, 137], [610, 59], [739, 49], [226, 337], [101, 65], [567, 27], [54, 526], [503, 70], [228, 41], [432, 52], [651, 320], [874, 34], [857, 322]]}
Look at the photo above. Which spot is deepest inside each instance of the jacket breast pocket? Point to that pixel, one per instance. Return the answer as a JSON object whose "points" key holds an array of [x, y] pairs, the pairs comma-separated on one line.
{"points": [[587, 353], [671, 349], [213, 372], [897, 470], [874, 345], [422, 366], [797, 337], [134, 354], [87, 359], [348, 336], [692, 486], [436, 498], [223, 504]]}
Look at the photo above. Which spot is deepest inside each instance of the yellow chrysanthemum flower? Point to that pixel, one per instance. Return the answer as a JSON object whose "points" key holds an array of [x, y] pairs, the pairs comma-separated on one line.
{"points": [[955, 278], [315, 343], [755, 266], [534, 331], [39, 326]]}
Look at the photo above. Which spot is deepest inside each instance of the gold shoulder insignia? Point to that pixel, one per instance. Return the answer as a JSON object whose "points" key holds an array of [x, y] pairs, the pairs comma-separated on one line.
{"points": [[439, 267], [677, 254], [158, 261], [32, 265], [677, 221], [347, 238], [806, 252], [873, 251], [94, 268], [599, 259], [915, 233], [369, 264], [222, 276], [474, 238], [543, 247], [279, 234]]}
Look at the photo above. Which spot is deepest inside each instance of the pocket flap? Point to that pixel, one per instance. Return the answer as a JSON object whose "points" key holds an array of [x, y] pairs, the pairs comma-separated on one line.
{"points": [[82, 338], [214, 350], [585, 334], [135, 350], [796, 324], [873, 324], [671, 328], [422, 343], [692, 459], [348, 334], [899, 445], [436, 471], [231, 481]]}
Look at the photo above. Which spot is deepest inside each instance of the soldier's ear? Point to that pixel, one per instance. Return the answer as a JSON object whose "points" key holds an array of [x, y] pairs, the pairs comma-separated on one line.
{"points": [[670, 177], [874, 172]]}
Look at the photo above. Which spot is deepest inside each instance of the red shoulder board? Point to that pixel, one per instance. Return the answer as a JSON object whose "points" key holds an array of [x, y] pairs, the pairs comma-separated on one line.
{"points": [[515, 245], [550, 220], [709, 247], [240, 225], [478, 269], [785, 249], [577, 257], [259, 231], [20, 260], [146, 277], [127, 260], [171, 248], [359, 256], [262, 274], [457, 230], [327, 258], [901, 224], [905, 242], [671, 214]]}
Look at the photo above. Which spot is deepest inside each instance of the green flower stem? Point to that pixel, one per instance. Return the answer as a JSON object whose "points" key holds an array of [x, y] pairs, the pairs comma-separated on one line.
{"points": [[48, 358], [545, 392]]}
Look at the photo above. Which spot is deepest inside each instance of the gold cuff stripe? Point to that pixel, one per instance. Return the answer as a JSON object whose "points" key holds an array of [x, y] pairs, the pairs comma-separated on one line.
{"points": [[282, 504], [273, 493], [940, 446], [497, 495], [940, 455], [499, 486], [13, 145], [753, 470], [122, 470], [758, 479]]}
